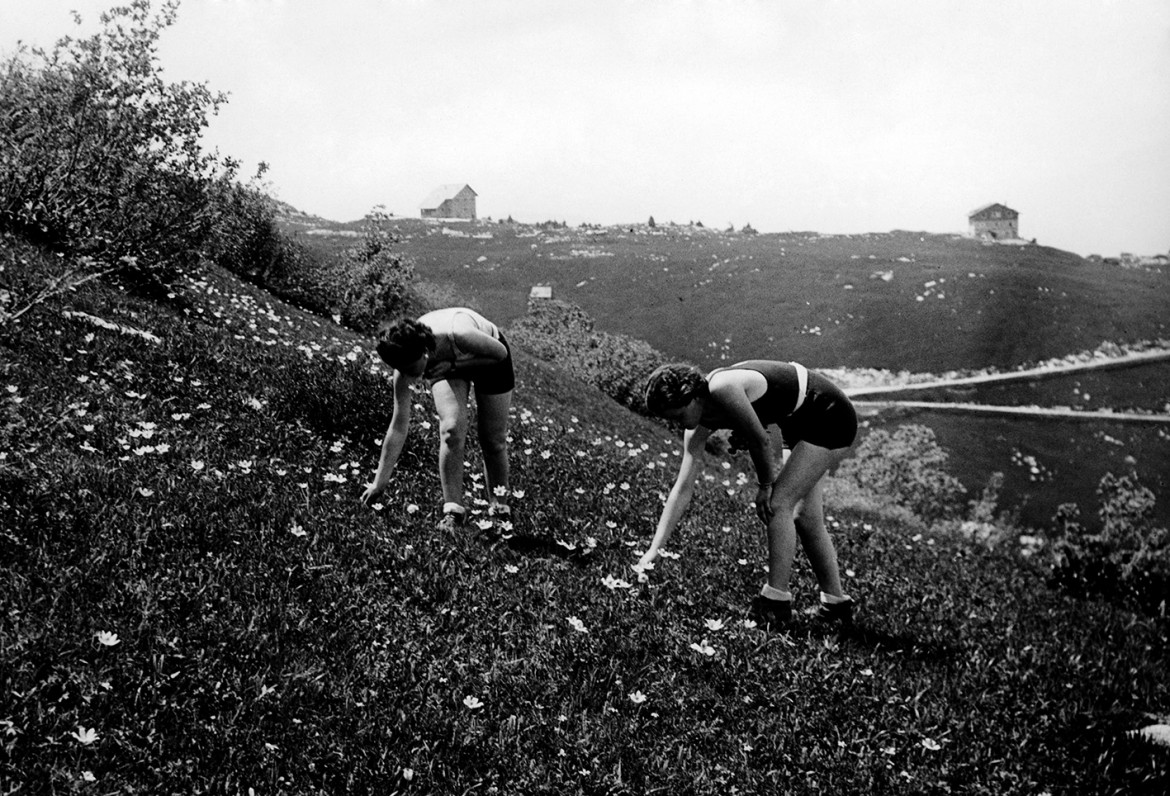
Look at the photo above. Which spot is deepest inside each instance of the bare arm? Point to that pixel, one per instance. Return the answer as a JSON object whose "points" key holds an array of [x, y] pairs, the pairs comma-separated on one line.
{"points": [[734, 401], [680, 494], [483, 348], [395, 439]]}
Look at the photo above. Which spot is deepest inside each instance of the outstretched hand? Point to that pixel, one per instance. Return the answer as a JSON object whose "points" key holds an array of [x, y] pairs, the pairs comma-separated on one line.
{"points": [[372, 491]]}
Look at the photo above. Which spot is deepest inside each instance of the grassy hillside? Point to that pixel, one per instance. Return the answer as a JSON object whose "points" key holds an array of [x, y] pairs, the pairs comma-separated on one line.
{"points": [[194, 601], [902, 301]]}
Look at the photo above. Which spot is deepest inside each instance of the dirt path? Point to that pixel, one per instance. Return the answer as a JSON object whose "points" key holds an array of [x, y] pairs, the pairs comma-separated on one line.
{"points": [[871, 407], [1031, 374]]}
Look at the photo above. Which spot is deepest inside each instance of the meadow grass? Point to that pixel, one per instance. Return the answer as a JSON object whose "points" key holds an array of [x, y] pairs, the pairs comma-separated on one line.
{"points": [[194, 600]]}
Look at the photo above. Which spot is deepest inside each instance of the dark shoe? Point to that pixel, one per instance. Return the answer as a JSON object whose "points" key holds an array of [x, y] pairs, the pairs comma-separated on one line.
{"points": [[836, 612], [775, 614], [451, 520]]}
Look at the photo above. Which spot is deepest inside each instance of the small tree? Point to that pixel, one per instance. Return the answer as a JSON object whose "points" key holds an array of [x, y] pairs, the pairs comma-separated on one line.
{"points": [[100, 159]]}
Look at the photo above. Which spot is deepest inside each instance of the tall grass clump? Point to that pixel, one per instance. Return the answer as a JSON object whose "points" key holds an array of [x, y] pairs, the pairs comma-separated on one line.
{"points": [[100, 157], [902, 469], [1126, 559]]}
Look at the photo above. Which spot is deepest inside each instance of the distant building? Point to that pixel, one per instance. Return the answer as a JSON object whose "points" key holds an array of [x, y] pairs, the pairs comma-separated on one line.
{"points": [[540, 292], [450, 201], [995, 222]]}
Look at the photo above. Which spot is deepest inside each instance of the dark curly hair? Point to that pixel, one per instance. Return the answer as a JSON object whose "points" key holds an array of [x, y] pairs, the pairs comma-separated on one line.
{"points": [[401, 342], [672, 386]]}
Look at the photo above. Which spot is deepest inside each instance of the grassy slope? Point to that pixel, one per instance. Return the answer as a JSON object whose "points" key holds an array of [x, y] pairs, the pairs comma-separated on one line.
{"points": [[710, 298], [273, 635]]}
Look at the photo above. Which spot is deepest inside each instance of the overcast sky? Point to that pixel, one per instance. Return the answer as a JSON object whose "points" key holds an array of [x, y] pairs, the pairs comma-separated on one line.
{"points": [[838, 117]]}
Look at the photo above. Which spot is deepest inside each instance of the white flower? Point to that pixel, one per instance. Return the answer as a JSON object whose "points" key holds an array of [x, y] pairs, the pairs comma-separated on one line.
{"points": [[610, 582], [703, 648], [145, 492], [750, 624], [518, 493], [87, 776], [107, 639], [714, 624], [670, 555], [484, 524], [511, 569], [85, 736], [472, 703], [637, 697], [412, 508], [577, 625], [297, 530], [931, 744], [196, 465]]}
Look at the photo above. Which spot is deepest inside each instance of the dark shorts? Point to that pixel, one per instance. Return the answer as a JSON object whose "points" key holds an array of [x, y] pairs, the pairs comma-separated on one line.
{"points": [[494, 379], [825, 419]]}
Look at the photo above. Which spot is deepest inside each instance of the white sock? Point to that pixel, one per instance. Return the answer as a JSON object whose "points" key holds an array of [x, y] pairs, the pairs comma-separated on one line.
{"points": [[829, 599], [776, 594]]}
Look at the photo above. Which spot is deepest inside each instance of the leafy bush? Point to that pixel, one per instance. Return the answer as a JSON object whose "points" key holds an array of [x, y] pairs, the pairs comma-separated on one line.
{"points": [[905, 468], [374, 280], [561, 332], [100, 158], [1127, 560]]}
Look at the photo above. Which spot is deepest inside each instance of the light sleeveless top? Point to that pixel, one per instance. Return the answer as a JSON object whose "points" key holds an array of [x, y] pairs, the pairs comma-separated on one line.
{"points": [[442, 323]]}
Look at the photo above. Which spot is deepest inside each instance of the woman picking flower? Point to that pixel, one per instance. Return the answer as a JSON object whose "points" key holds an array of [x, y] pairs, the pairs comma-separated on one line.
{"points": [[817, 422], [453, 349]]}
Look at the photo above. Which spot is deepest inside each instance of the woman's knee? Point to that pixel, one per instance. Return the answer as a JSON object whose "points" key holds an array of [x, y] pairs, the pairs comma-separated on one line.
{"points": [[452, 430]]}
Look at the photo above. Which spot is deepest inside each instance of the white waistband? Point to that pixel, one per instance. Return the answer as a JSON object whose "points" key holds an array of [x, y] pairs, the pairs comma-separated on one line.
{"points": [[801, 382]]}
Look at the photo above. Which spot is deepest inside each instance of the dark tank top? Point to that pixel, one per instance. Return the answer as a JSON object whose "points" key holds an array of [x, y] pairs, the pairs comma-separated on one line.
{"points": [[779, 400]]}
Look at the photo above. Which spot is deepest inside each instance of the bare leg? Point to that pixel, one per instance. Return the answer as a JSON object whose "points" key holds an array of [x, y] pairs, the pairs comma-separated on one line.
{"points": [[799, 477], [492, 418], [815, 539], [451, 404]]}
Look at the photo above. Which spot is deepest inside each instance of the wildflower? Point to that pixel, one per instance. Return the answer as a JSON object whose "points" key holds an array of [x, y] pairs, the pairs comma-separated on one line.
{"points": [[196, 465], [625, 486], [472, 703], [484, 524], [867, 672], [577, 625], [518, 494], [750, 624], [637, 697], [412, 508], [546, 454], [610, 582], [703, 648], [931, 744], [145, 492], [408, 774], [84, 736], [500, 491], [669, 554], [107, 639], [297, 530], [511, 569], [610, 524], [714, 624]]}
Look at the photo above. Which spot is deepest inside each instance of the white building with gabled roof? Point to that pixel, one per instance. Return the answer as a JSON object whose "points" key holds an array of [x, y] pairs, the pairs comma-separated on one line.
{"points": [[455, 200]]}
